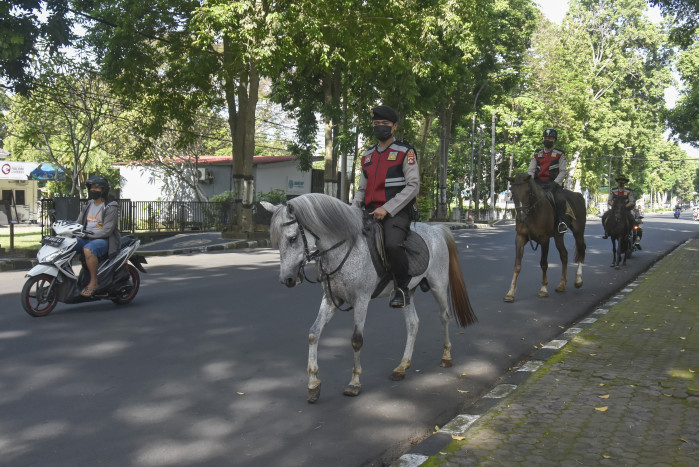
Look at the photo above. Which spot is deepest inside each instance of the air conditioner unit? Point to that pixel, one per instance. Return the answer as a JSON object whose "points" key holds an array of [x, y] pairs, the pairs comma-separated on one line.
{"points": [[205, 175]]}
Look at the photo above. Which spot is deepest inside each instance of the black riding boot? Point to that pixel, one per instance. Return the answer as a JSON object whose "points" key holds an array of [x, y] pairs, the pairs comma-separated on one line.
{"points": [[604, 226], [401, 293]]}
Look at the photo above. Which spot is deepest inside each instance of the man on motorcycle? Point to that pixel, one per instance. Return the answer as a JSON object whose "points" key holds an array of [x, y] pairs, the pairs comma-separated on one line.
{"points": [[99, 216], [619, 192]]}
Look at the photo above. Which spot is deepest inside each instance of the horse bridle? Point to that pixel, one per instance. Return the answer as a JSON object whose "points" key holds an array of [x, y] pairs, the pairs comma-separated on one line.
{"points": [[526, 209], [318, 255]]}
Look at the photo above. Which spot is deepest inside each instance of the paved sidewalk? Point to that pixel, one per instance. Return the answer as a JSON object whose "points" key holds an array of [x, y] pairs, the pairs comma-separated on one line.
{"points": [[622, 391]]}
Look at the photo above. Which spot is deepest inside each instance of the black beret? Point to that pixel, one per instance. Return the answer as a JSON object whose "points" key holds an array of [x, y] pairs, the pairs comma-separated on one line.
{"points": [[384, 112]]}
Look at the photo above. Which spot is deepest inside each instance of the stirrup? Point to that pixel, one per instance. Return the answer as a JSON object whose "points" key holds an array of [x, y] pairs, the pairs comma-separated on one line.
{"points": [[562, 227], [401, 298]]}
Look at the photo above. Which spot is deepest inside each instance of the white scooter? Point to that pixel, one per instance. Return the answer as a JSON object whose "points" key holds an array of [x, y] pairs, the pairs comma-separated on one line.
{"points": [[53, 280]]}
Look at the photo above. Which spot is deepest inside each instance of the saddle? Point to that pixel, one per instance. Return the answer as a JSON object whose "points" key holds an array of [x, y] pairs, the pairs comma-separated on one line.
{"points": [[415, 247], [569, 209]]}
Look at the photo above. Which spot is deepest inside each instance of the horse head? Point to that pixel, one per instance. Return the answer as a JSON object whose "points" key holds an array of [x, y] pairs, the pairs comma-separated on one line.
{"points": [[619, 208], [522, 190], [286, 234]]}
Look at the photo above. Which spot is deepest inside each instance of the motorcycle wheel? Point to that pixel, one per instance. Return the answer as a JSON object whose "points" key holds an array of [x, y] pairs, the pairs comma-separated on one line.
{"points": [[39, 297], [128, 292]]}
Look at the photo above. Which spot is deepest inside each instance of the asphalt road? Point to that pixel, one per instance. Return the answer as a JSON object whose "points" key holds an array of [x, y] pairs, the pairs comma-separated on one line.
{"points": [[208, 366]]}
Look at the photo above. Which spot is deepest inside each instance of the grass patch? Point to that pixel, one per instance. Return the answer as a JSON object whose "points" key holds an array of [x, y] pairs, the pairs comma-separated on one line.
{"points": [[24, 240]]}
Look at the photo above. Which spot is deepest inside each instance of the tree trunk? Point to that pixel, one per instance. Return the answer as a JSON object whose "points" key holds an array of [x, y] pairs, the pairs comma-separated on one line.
{"points": [[444, 140], [330, 174], [242, 123]]}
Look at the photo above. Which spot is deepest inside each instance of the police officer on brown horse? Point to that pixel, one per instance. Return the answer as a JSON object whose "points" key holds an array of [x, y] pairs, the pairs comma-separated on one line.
{"points": [[629, 202], [548, 167], [388, 187]]}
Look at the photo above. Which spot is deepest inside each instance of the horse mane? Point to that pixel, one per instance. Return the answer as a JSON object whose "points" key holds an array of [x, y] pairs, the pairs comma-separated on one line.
{"points": [[523, 178], [325, 216]]}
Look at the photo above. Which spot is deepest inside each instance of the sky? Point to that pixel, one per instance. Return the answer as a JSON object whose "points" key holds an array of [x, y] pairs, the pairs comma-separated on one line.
{"points": [[555, 10]]}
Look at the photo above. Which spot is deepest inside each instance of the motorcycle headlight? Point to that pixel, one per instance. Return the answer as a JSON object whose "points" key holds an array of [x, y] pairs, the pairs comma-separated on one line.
{"points": [[51, 257]]}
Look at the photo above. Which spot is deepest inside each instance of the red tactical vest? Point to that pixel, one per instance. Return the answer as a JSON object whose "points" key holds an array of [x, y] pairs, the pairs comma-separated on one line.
{"points": [[547, 164], [384, 173], [621, 193]]}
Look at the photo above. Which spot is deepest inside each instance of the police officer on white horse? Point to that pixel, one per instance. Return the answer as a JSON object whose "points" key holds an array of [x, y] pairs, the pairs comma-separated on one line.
{"points": [[388, 187]]}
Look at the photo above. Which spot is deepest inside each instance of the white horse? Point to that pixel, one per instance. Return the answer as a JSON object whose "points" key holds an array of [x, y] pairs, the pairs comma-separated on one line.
{"points": [[345, 269]]}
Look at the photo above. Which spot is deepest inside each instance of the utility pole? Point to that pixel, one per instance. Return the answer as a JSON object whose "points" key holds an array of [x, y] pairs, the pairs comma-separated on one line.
{"points": [[492, 169]]}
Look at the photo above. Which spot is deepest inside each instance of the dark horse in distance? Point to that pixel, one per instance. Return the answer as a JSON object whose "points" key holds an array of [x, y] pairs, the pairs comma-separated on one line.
{"points": [[536, 222], [619, 229]]}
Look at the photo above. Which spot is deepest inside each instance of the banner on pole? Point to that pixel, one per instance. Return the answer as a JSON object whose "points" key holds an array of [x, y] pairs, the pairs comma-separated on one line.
{"points": [[13, 170]]}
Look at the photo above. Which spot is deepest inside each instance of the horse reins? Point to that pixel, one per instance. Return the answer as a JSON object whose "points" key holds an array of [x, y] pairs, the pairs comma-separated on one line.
{"points": [[318, 255]]}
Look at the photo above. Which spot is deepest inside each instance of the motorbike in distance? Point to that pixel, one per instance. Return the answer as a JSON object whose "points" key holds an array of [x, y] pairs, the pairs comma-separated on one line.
{"points": [[677, 213], [53, 280]]}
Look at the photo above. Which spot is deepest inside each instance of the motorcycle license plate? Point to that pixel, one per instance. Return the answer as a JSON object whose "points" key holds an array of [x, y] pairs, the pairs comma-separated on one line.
{"points": [[50, 240]]}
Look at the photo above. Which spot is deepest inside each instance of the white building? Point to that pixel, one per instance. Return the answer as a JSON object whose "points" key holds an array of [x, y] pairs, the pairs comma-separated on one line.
{"points": [[147, 183]]}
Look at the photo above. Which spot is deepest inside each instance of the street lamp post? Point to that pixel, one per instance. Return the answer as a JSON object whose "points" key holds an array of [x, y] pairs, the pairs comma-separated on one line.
{"points": [[473, 134], [473, 137]]}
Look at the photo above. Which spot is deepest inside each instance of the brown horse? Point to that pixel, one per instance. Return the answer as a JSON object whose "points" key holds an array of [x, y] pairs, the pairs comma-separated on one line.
{"points": [[535, 223]]}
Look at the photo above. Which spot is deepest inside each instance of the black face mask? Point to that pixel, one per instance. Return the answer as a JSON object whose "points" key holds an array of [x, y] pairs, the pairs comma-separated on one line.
{"points": [[382, 132], [95, 194], [548, 144]]}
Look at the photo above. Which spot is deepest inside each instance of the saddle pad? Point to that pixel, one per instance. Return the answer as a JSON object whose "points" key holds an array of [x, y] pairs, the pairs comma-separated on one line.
{"points": [[415, 247], [418, 254]]}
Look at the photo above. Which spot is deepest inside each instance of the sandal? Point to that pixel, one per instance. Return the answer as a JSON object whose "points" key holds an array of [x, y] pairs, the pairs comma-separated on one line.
{"points": [[89, 291]]}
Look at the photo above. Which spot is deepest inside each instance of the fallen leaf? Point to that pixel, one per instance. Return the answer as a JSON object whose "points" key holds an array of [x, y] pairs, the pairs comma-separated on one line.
{"points": [[436, 428], [462, 391], [459, 438], [606, 396], [684, 440], [601, 409], [692, 371], [241, 393], [463, 374], [607, 457]]}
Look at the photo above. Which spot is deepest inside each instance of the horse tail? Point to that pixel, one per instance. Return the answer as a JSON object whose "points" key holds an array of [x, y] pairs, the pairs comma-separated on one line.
{"points": [[460, 303]]}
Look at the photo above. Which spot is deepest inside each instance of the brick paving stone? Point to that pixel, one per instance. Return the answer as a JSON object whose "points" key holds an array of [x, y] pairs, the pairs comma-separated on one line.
{"points": [[623, 391]]}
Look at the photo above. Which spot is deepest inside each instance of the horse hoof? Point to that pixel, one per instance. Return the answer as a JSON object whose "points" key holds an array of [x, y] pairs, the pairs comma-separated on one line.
{"points": [[617, 267], [397, 376], [509, 298], [578, 284], [313, 394], [543, 294], [352, 390], [445, 363], [560, 288]]}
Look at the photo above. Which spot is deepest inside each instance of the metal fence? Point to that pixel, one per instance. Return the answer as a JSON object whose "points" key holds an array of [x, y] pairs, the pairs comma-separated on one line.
{"points": [[147, 216]]}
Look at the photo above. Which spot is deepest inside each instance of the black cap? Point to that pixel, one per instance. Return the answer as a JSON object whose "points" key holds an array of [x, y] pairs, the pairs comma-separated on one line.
{"points": [[384, 112], [622, 178], [551, 132]]}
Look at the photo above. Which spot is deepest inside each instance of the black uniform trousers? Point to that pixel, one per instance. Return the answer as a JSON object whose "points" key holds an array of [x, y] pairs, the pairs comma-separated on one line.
{"points": [[395, 231], [558, 197]]}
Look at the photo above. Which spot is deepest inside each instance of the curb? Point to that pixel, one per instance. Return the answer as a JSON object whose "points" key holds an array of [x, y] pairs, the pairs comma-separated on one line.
{"points": [[509, 383], [234, 245]]}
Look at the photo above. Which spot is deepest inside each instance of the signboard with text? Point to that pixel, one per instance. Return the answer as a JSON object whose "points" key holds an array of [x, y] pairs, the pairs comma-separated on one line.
{"points": [[12, 170]]}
